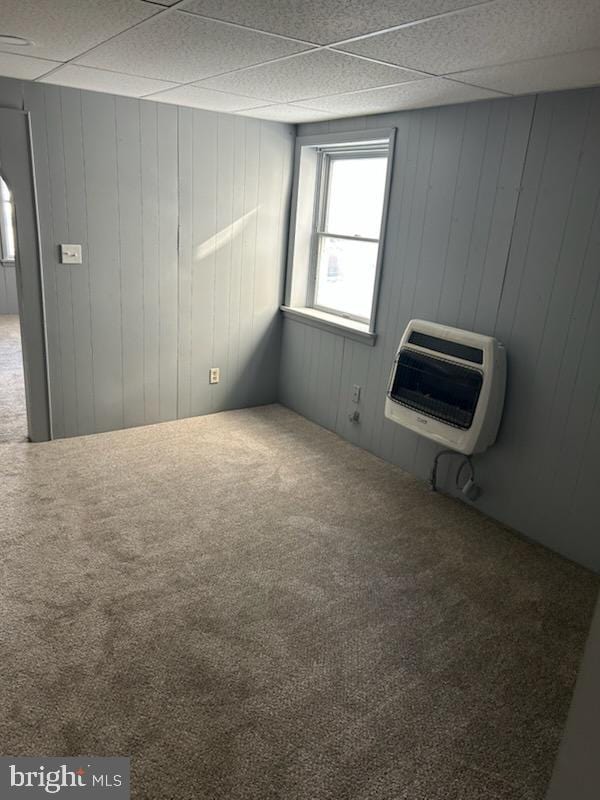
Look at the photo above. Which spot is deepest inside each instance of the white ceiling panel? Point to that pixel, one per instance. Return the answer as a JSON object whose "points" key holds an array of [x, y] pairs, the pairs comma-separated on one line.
{"points": [[183, 48], [24, 67], [266, 58], [62, 29], [322, 21], [310, 75], [195, 97], [496, 33], [98, 80], [287, 113], [417, 94], [565, 71]]}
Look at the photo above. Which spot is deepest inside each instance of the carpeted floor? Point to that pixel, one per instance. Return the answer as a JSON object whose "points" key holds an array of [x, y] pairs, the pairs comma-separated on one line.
{"points": [[13, 417], [253, 608]]}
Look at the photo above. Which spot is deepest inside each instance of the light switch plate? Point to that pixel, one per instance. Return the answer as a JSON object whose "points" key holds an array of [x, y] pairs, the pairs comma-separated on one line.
{"points": [[70, 254]]}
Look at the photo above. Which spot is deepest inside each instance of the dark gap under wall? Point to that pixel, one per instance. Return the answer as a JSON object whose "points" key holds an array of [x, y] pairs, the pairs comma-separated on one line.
{"points": [[494, 226]]}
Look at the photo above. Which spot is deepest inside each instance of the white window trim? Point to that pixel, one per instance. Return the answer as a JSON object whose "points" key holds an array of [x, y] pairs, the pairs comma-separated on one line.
{"points": [[305, 227], [332, 323]]}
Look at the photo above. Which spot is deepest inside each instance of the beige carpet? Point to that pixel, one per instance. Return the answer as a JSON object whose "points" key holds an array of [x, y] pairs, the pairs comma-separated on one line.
{"points": [[252, 608], [13, 417]]}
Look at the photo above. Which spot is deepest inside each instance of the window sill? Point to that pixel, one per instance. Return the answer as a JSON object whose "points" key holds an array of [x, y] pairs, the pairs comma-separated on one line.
{"points": [[330, 322]]}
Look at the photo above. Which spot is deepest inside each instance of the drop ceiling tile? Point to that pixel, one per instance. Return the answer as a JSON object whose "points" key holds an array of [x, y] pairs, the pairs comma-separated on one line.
{"points": [[566, 71], [195, 97], [98, 80], [311, 74], [321, 21], [287, 113], [416, 94], [62, 29], [24, 67], [495, 33], [183, 48]]}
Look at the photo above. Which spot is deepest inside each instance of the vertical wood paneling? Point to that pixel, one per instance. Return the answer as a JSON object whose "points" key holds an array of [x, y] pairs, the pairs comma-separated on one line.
{"points": [[129, 187], [187, 168], [12, 93], [62, 278], [204, 173], [406, 151], [503, 215], [104, 232], [560, 192], [396, 443], [81, 276], [151, 258], [234, 183], [494, 225], [168, 205], [231, 396], [168, 264], [249, 241], [8, 290], [275, 152], [223, 248], [487, 216]]}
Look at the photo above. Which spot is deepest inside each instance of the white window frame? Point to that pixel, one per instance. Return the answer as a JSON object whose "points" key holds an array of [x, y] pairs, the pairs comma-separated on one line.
{"points": [[326, 157], [312, 164]]}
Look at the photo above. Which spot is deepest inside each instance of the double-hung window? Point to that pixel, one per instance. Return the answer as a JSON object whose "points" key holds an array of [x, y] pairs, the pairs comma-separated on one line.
{"points": [[7, 225], [348, 230], [338, 222]]}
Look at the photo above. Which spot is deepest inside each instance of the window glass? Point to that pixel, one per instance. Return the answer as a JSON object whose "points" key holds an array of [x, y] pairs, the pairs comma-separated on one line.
{"points": [[347, 246], [346, 276], [355, 192]]}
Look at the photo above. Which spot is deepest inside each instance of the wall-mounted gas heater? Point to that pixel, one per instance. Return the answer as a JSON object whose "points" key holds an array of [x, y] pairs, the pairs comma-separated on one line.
{"points": [[448, 385]]}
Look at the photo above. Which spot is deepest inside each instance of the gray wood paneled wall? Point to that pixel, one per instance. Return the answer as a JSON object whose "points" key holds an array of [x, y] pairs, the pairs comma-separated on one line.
{"points": [[182, 216], [494, 226], [8, 290]]}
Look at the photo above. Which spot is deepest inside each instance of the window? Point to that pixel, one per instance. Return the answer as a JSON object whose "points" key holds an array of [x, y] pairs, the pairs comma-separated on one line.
{"points": [[347, 234], [337, 230], [7, 227]]}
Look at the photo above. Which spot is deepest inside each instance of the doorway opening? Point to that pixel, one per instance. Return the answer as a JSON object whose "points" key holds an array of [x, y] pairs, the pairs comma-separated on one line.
{"points": [[13, 410]]}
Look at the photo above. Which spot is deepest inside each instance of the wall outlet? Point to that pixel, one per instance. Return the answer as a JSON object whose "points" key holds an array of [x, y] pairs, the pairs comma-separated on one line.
{"points": [[214, 375], [356, 394]]}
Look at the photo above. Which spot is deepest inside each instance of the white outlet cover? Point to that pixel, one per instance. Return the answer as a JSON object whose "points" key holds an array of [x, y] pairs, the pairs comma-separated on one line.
{"points": [[70, 254]]}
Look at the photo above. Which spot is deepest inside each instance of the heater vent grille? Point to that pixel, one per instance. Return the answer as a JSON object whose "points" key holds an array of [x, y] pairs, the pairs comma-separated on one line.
{"points": [[437, 388], [447, 346]]}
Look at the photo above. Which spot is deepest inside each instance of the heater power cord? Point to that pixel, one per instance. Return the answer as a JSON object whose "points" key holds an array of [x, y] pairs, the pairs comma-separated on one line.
{"points": [[469, 488]]}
